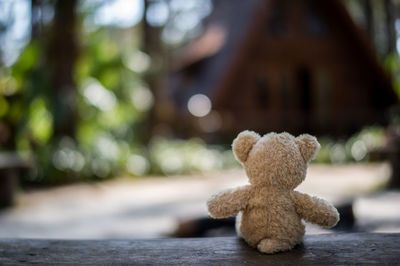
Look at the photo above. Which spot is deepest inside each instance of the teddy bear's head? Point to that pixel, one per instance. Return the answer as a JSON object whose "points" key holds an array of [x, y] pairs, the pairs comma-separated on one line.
{"points": [[278, 160]]}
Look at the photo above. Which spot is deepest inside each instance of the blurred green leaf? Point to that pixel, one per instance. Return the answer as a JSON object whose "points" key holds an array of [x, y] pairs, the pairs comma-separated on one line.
{"points": [[3, 106], [40, 121]]}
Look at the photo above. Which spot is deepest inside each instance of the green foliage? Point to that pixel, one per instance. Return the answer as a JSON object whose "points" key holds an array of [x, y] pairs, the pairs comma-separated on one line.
{"points": [[40, 121], [109, 115], [392, 66], [171, 157], [354, 149]]}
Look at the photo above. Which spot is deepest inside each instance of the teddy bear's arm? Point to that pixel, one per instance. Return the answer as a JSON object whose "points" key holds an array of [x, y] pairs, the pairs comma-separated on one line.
{"points": [[229, 202], [315, 210]]}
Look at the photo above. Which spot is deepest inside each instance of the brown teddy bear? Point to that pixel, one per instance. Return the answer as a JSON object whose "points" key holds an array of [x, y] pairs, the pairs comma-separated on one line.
{"points": [[269, 210]]}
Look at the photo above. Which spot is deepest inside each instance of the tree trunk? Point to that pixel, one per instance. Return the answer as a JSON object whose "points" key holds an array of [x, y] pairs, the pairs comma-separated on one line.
{"points": [[36, 18], [61, 56], [390, 26], [153, 46], [369, 19]]}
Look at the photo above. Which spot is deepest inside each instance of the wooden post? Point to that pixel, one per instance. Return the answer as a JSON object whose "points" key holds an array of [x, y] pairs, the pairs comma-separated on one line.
{"points": [[393, 150], [10, 168], [8, 181]]}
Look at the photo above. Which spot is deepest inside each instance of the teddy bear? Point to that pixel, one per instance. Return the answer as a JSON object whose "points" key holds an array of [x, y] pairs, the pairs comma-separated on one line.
{"points": [[269, 210]]}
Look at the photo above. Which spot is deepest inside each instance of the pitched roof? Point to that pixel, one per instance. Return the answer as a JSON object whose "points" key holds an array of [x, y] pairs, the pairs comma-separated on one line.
{"points": [[225, 30], [236, 26]]}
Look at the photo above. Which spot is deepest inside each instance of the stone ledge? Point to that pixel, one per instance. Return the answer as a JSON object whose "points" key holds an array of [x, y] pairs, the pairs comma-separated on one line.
{"points": [[329, 249]]}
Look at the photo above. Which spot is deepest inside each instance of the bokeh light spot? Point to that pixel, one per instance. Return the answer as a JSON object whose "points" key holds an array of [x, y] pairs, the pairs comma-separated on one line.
{"points": [[199, 105]]}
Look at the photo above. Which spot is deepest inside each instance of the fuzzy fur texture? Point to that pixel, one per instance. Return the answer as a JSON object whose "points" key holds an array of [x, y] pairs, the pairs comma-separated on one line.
{"points": [[269, 211]]}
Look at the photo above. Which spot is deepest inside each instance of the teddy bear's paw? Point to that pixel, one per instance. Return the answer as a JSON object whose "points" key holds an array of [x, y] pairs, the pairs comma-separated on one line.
{"points": [[270, 246], [333, 218]]}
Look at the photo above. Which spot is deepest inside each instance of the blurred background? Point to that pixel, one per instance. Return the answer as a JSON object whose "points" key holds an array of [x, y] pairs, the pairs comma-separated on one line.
{"points": [[116, 116]]}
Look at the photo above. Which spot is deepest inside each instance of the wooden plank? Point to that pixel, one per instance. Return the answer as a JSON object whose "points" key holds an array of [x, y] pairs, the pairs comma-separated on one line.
{"points": [[331, 249], [10, 160]]}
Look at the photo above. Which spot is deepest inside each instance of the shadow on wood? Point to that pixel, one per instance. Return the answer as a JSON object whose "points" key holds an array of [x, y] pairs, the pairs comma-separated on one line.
{"points": [[209, 227]]}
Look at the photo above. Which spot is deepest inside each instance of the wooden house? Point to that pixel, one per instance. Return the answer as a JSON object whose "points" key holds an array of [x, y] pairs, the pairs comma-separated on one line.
{"points": [[279, 65]]}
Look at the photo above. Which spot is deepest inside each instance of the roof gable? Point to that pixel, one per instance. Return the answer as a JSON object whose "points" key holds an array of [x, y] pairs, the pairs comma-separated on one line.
{"points": [[310, 23]]}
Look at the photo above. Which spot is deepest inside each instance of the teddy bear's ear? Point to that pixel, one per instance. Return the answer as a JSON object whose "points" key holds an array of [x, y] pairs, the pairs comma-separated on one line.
{"points": [[243, 144], [308, 146]]}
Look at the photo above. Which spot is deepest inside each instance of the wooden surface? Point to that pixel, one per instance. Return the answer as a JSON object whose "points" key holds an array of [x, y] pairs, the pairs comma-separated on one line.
{"points": [[340, 249]]}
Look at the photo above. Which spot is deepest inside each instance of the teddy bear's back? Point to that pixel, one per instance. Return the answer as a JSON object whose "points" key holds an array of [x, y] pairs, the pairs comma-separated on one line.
{"points": [[270, 214]]}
